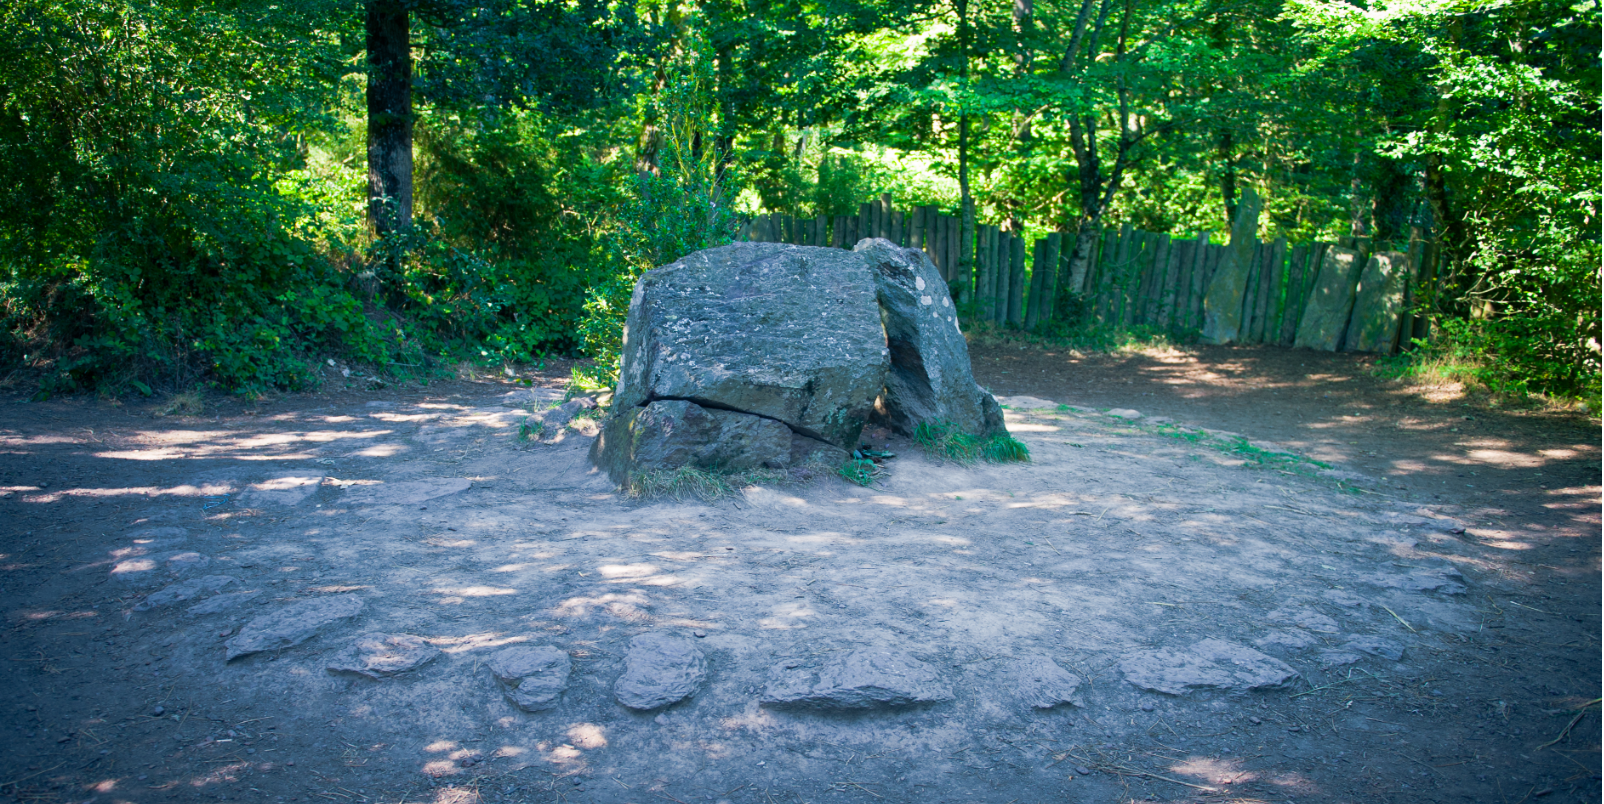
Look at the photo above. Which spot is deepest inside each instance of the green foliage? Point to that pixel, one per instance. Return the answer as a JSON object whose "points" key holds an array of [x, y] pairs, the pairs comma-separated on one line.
{"points": [[860, 471], [1511, 358], [944, 440]]}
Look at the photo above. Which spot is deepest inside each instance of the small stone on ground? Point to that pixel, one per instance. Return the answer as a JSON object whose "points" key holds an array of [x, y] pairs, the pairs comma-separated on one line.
{"points": [[660, 669], [383, 655], [859, 679], [292, 625], [533, 678]]}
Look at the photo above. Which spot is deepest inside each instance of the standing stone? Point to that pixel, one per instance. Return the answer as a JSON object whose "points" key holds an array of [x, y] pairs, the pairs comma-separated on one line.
{"points": [[930, 377], [383, 655], [1222, 304], [676, 433], [1210, 664], [1044, 685], [859, 679], [660, 669], [533, 678], [1325, 318], [789, 333], [292, 624], [1378, 305]]}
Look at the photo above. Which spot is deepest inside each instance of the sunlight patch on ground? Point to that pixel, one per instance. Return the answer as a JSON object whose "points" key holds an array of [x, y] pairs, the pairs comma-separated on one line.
{"points": [[1215, 771], [463, 644]]}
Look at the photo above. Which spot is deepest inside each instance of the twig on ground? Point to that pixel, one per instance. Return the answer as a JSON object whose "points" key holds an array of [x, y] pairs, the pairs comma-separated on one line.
{"points": [[1402, 620], [1568, 726]]}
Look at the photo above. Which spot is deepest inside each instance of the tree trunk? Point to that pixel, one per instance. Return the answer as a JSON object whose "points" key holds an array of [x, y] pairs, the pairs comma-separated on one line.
{"points": [[966, 226], [1228, 176], [389, 98]]}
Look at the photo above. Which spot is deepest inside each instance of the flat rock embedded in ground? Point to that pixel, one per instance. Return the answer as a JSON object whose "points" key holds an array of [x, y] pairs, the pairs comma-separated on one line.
{"points": [[158, 567], [660, 669], [532, 677], [1211, 664], [218, 604], [383, 655], [406, 492], [292, 624], [184, 590], [859, 679], [1304, 618], [1443, 579], [281, 491], [1376, 646], [1043, 684]]}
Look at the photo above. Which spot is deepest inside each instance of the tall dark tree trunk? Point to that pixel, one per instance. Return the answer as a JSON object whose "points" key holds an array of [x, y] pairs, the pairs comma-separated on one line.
{"points": [[389, 116], [724, 141], [966, 226], [1389, 211], [1227, 151]]}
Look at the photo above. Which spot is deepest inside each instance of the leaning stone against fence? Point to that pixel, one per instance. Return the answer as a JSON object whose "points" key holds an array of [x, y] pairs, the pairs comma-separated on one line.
{"points": [[1379, 304], [1325, 319], [1222, 305]]}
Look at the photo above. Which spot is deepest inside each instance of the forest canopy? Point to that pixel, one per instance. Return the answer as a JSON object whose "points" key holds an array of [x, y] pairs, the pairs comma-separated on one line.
{"points": [[232, 193]]}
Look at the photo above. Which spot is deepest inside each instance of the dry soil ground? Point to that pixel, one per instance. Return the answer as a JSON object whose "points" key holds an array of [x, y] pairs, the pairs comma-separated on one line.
{"points": [[1429, 570]]}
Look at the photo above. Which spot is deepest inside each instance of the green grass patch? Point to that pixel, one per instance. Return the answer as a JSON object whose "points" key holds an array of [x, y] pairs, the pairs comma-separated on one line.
{"points": [[944, 440], [1239, 447], [860, 471]]}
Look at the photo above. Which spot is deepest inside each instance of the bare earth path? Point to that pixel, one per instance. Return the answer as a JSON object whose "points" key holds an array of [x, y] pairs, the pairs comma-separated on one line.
{"points": [[1415, 623]]}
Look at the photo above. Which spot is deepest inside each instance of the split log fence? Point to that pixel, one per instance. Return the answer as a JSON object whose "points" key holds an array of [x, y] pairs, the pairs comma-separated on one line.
{"points": [[1330, 296]]}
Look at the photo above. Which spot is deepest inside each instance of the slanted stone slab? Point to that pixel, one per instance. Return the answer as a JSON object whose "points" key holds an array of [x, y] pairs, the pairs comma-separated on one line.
{"points": [[223, 602], [1325, 318], [1211, 664], [1378, 304], [660, 669], [859, 679], [1280, 638], [1223, 301], [1376, 646], [292, 625], [157, 567], [282, 491], [532, 677], [930, 378], [1444, 579], [383, 655], [1043, 684], [789, 333], [408, 492], [184, 590], [674, 433], [1304, 618]]}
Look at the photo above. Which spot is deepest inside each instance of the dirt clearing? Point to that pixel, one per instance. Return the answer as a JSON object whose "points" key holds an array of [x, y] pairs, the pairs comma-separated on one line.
{"points": [[1228, 575]]}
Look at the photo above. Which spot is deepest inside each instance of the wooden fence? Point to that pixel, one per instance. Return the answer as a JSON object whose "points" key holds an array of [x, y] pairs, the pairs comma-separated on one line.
{"points": [[1319, 295]]}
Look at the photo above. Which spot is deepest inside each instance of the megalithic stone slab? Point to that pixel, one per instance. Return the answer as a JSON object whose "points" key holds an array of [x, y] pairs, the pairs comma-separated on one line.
{"points": [[1378, 304], [1222, 303], [1330, 305], [930, 377], [674, 433], [292, 624], [383, 655], [789, 333]]}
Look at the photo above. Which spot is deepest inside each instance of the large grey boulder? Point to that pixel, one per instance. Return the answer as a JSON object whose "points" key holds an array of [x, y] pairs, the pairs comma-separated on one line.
{"points": [[533, 678], [789, 333], [1378, 304], [859, 679], [292, 625], [930, 378], [1330, 305], [1211, 664], [679, 433], [660, 669]]}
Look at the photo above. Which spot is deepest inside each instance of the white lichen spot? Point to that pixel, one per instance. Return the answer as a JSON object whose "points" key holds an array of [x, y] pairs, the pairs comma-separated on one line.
{"points": [[926, 300], [946, 302], [919, 282]]}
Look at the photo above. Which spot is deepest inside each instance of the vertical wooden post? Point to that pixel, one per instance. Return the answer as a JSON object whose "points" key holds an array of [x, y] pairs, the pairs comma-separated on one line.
{"points": [[916, 228], [1016, 280], [865, 224], [896, 228], [1034, 283], [1051, 268], [1005, 252], [1172, 280], [1292, 307]]}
